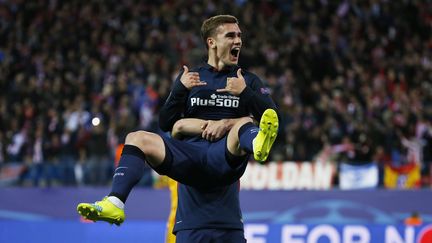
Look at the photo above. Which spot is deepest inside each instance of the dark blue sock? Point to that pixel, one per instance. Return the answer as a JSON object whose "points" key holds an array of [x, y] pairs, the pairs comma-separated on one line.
{"points": [[129, 172], [246, 135]]}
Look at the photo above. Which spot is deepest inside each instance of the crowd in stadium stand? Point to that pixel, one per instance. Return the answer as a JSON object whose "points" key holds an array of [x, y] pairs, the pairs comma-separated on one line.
{"points": [[352, 79]]}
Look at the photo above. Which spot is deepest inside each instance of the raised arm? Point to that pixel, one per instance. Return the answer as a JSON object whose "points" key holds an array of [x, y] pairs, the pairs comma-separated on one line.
{"points": [[258, 98], [174, 107], [255, 94]]}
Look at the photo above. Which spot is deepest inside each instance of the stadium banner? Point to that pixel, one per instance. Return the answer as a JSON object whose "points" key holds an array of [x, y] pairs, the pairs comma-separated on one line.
{"points": [[403, 177], [288, 175], [350, 233], [358, 176], [264, 206], [270, 216], [154, 231]]}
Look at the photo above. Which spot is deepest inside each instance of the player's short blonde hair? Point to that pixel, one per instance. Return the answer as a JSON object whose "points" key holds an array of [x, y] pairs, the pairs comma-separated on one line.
{"points": [[208, 28]]}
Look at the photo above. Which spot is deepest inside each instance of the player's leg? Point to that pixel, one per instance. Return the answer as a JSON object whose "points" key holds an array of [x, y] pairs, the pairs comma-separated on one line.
{"points": [[169, 236], [246, 137], [140, 147]]}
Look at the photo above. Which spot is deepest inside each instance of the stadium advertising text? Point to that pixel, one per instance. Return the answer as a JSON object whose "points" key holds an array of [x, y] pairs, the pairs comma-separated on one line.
{"points": [[216, 100], [288, 176], [305, 233]]}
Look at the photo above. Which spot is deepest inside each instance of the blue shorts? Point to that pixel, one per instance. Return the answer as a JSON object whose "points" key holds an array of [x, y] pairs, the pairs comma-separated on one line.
{"points": [[210, 236], [201, 163]]}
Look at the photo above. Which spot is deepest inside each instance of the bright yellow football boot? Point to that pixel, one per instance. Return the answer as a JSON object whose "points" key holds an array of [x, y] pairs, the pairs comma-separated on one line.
{"points": [[102, 211], [266, 136]]}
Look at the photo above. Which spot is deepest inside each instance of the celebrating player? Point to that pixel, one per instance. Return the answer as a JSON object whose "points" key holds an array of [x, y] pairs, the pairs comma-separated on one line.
{"points": [[210, 109]]}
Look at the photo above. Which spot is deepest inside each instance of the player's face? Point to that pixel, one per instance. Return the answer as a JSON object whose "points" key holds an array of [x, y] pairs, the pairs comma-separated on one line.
{"points": [[228, 44]]}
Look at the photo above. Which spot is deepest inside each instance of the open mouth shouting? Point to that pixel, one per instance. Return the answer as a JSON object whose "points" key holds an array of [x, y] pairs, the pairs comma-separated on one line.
{"points": [[235, 54]]}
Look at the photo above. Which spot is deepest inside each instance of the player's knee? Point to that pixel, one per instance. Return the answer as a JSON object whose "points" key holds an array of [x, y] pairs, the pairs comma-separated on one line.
{"points": [[151, 144], [178, 126], [141, 139], [243, 121]]}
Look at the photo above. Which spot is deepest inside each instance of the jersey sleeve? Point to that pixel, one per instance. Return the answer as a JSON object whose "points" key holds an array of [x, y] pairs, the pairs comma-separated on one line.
{"points": [[174, 106], [257, 96]]}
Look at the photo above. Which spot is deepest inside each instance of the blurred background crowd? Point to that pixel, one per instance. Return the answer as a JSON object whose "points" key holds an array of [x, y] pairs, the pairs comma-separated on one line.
{"points": [[352, 79]]}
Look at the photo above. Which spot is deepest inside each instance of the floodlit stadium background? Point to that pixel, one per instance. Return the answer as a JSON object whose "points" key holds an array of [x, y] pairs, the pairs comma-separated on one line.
{"points": [[352, 79]]}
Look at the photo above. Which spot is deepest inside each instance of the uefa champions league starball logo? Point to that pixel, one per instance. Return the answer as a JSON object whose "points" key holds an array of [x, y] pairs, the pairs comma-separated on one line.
{"points": [[335, 212]]}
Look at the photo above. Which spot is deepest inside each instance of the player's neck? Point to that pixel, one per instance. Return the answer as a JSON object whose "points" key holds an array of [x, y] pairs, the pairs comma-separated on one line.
{"points": [[217, 66], [215, 62]]}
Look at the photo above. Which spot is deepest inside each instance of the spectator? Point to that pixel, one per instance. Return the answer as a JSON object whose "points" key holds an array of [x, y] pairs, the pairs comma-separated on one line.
{"points": [[414, 219], [338, 70]]}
